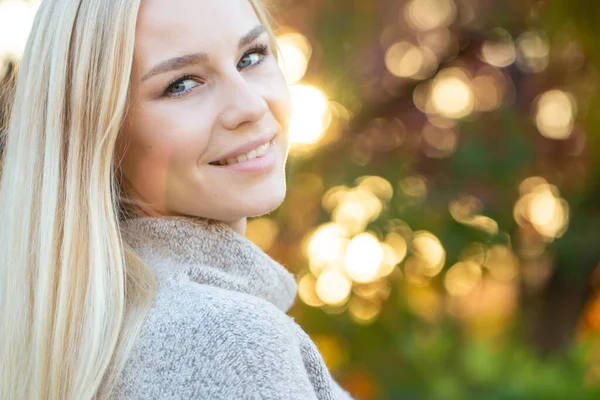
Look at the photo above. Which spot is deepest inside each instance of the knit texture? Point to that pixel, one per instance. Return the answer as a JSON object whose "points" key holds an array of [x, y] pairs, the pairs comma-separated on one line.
{"points": [[218, 327]]}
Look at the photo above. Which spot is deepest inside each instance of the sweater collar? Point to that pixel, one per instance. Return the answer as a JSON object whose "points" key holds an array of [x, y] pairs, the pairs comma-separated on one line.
{"points": [[211, 253]]}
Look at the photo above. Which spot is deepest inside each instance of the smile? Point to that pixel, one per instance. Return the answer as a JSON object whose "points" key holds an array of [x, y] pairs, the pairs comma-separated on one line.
{"points": [[251, 155]]}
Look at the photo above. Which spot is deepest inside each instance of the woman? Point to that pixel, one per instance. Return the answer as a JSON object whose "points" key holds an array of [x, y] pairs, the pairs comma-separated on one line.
{"points": [[142, 134]]}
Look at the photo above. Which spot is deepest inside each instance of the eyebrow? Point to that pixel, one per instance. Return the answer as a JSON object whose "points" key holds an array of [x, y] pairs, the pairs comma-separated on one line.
{"points": [[197, 58]]}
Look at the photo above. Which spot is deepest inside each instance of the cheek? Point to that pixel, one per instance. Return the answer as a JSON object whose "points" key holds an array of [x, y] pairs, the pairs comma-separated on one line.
{"points": [[281, 106], [163, 142], [146, 162], [278, 98]]}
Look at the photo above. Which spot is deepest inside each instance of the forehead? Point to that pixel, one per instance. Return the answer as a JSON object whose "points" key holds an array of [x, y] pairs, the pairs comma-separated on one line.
{"points": [[170, 28]]}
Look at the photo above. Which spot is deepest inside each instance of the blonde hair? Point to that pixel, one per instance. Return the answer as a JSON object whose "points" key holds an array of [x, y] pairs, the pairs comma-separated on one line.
{"points": [[73, 295]]}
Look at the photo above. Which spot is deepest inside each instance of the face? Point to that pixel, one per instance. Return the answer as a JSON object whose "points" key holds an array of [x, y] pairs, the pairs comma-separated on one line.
{"points": [[206, 89]]}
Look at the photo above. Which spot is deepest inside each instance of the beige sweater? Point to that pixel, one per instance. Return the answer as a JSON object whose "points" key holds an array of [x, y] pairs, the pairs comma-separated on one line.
{"points": [[218, 328]]}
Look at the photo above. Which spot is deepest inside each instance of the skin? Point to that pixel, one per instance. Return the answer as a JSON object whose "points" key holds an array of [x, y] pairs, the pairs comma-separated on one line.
{"points": [[230, 99]]}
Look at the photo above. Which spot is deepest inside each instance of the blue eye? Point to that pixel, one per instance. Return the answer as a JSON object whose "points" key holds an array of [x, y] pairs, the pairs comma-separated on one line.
{"points": [[181, 86], [253, 57], [249, 60]]}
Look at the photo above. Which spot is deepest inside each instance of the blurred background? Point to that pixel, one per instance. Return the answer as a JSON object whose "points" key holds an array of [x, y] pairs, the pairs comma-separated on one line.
{"points": [[443, 205]]}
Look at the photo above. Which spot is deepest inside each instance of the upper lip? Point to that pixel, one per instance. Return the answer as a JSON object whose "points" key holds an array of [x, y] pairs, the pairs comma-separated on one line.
{"points": [[245, 148]]}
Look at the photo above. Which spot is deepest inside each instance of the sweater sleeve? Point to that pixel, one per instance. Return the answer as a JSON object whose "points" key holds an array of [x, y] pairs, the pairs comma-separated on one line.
{"points": [[199, 343]]}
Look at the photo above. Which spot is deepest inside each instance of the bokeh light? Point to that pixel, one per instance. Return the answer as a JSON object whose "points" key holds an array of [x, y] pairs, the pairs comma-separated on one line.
{"points": [[533, 52], [333, 287], [427, 258], [333, 197], [406, 60], [439, 142], [295, 54], [307, 291], [502, 263], [475, 252], [466, 208], [462, 278], [490, 89], [452, 95], [488, 307], [310, 116], [397, 243], [485, 224], [364, 311], [326, 247], [424, 15], [441, 122], [428, 248], [377, 290], [389, 262], [414, 187], [422, 99], [363, 258], [441, 41], [543, 208], [377, 185], [500, 50], [528, 185], [548, 213], [555, 112], [358, 207], [354, 208]]}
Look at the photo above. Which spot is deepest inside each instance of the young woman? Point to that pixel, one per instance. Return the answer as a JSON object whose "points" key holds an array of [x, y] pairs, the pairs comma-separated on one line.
{"points": [[141, 136]]}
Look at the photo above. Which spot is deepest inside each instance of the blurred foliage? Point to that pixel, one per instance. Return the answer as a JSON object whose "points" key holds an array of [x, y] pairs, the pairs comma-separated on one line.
{"points": [[496, 179]]}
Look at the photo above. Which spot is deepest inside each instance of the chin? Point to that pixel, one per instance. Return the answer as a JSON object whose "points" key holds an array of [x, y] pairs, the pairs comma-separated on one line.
{"points": [[238, 199], [253, 204], [261, 198], [264, 203]]}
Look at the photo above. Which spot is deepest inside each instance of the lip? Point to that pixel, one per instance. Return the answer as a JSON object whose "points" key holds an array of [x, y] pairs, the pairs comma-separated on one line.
{"points": [[247, 147], [256, 166]]}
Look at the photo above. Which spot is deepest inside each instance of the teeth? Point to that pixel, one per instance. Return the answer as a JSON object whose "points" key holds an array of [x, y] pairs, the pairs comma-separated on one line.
{"points": [[251, 155], [262, 149]]}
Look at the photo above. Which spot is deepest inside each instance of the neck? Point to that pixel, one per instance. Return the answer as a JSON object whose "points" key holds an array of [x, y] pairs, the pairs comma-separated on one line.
{"points": [[147, 211], [239, 226]]}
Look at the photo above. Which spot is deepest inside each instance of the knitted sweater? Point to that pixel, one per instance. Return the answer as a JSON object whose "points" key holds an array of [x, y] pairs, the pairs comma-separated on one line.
{"points": [[218, 327]]}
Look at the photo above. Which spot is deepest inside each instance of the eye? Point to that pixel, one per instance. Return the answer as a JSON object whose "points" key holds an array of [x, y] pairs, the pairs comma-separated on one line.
{"points": [[253, 57], [180, 87]]}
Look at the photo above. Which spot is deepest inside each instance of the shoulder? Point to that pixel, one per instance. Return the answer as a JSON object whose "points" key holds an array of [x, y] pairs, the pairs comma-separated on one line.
{"points": [[201, 317], [204, 341], [185, 307]]}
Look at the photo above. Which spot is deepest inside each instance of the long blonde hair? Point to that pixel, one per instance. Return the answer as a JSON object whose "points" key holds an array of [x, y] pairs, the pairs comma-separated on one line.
{"points": [[73, 295]]}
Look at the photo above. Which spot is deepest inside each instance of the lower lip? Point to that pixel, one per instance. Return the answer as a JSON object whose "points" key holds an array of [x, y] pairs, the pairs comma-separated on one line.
{"points": [[257, 165]]}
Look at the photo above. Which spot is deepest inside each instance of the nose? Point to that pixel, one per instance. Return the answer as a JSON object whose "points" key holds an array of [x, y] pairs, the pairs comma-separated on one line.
{"points": [[243, 103]]}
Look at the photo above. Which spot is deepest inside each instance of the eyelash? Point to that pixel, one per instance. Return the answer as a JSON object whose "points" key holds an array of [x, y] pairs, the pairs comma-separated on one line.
{"points": [[261, 49]]}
